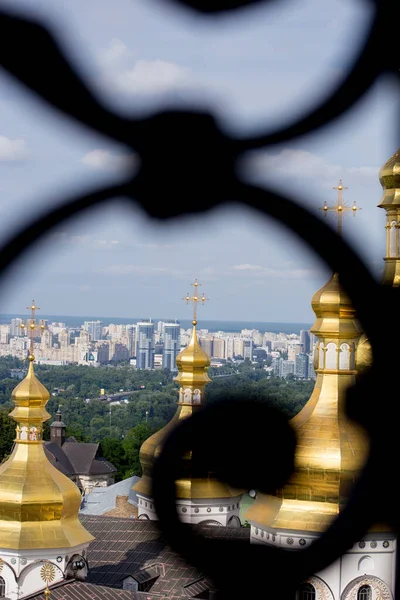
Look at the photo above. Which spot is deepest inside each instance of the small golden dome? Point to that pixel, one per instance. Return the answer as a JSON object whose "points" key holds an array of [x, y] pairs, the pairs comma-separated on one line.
{"points": [[331, 300], [334, 311], [193, 356], [30, 398], [192, 365], [389, 177], [39, 505]]}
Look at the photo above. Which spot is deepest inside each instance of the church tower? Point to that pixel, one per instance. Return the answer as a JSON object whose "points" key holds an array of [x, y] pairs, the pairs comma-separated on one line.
{"points": [[42, 541], [331, 451], [389, 177], [200, 499]]}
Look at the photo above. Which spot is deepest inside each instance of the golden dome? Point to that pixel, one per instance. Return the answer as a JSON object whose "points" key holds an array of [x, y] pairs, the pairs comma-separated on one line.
{"points": [[192, 377], [331, 449], [193, 362], [334, 310], [38, 504], [389, 177]]}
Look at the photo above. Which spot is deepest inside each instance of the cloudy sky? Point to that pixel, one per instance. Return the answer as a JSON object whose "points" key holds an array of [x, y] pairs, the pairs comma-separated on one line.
{"points": [[259, 67]]}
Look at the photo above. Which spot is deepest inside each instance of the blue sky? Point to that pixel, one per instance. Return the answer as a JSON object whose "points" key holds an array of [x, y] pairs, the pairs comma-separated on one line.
{"points": [[258, 67]]}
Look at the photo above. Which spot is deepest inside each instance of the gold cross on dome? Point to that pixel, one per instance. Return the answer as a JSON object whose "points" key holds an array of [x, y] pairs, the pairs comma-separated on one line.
{"points": [[195, 299], [340, 207], [32, 326]]}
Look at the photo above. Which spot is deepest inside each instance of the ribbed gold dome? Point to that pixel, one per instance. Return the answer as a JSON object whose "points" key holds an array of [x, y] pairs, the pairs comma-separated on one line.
{"points": [[389, 177], [192, 377], [38, 504], [330, 449], [334, 310], [192, 362]]}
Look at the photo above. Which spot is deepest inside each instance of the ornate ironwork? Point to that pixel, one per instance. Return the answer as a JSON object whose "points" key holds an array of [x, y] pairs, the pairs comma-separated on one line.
{"points": [[171, 145]]}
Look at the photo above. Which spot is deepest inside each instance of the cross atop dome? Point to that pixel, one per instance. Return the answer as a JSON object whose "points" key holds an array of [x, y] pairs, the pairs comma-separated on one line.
{"points": [[33, 326], [340, 207], [195, 299]]}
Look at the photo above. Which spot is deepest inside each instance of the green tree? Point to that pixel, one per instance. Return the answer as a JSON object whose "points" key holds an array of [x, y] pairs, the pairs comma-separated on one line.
{"points": [[7, 434], [132, 444], [113, 451]]}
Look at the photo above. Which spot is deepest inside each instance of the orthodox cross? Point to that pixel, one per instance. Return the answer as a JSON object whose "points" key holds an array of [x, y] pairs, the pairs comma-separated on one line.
{"points": [[340, 207], [195, 299], [32, 325]]}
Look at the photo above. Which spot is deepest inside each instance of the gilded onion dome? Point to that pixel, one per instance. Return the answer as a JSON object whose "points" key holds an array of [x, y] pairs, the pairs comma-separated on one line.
{"points": [[330, 449], [38, 504], [389, 177], [192, 363]]}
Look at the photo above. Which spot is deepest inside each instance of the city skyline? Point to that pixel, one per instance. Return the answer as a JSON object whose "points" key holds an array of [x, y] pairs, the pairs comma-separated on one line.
{"points": [[116, 261]]}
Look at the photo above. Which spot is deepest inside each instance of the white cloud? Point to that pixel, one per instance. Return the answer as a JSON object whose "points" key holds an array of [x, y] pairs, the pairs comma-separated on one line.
{"points": [[266, 272], [115, 51], [299, 164], [151, 76], [12, 150], [141, 270], [104, 160]]}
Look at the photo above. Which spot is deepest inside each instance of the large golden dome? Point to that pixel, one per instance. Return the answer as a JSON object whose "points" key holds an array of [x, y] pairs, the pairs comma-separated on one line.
{"points": [[38, 504], [389, 177]]}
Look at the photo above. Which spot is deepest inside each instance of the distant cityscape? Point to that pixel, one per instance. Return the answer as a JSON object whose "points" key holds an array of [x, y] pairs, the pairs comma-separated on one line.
{"points": [[153, 345]]}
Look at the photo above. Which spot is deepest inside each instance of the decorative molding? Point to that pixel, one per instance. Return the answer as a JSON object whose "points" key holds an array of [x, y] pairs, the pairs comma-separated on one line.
{"points": [[379, 587], [323, 591]]}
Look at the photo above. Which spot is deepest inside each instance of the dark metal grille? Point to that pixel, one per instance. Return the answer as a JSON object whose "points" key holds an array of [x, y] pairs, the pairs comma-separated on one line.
{"points": [[171, 145]]}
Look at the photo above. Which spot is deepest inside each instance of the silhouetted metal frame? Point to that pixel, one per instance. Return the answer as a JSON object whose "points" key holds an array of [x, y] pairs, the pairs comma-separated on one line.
{"points": [[187, 157]]}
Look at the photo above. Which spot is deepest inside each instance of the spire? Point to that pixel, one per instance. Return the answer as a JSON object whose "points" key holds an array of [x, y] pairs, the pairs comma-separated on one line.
{"points": [[38, 504], [193, 362], [330, 449], [389, 177]]}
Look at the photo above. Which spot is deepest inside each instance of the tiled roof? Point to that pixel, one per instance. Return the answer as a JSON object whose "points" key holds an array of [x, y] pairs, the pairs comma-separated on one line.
{"points": [[81, 455], [128, 547], [81, 590]]}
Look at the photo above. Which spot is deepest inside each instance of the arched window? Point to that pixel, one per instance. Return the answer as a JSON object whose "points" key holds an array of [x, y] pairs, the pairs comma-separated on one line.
{"points": [[306, 592], [2, 588], [364, 593]]}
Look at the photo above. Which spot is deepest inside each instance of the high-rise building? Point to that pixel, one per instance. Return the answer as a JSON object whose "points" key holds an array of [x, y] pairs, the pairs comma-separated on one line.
{"points": [[172, 344], [145, 345], [248, 348], [305, 340], [301, 366], [15, 327], [95, 329], [207, 344], [218, 348]]}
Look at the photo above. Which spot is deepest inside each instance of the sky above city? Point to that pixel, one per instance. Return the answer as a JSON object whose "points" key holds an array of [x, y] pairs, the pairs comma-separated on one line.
{"points": [[255, 68]]}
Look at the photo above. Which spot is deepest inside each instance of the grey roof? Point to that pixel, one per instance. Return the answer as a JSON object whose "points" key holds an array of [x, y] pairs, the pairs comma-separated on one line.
{"points": [[58, 458], [103, 499], [82, 456], [127, 547], [81, 590], [77, 458]]}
